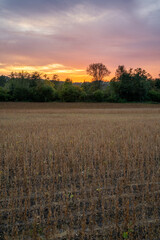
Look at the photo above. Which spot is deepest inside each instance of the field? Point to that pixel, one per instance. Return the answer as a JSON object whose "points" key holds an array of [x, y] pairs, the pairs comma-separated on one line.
{"points": [[79, 171]]}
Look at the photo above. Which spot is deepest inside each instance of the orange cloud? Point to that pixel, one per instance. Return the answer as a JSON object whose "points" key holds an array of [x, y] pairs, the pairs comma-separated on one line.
{"points": [[63, 71]]}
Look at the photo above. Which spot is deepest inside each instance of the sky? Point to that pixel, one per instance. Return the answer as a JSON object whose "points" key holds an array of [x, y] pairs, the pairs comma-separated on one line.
{"points": [[64, 36]]}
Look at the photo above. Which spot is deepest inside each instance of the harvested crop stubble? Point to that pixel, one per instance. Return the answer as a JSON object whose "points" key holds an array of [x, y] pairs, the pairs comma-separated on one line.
{"points": [[82, 173]]}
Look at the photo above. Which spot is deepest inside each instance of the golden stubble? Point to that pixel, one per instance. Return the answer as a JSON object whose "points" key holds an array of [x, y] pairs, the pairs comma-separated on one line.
{"points": [[79, 173]]}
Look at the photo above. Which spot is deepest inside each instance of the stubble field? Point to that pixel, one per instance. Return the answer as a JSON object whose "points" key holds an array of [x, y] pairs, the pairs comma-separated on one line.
{"points": [[79, 171]]}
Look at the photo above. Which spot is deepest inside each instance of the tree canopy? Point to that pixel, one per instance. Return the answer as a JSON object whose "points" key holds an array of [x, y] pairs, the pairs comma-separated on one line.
{"points": [[127, 86], [98, 71]]}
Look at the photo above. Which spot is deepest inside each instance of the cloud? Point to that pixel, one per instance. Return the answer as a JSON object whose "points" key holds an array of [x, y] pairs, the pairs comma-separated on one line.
{"points": [[54, 68], [48, 6], [76, 33]]}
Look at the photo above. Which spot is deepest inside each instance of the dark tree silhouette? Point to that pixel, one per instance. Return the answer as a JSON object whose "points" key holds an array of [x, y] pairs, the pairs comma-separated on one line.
{"points": [[120, 71], [98, 71]]}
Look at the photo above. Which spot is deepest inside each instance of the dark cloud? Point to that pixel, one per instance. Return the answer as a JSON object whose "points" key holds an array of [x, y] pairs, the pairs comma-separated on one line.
{"points": [[41, 6]]}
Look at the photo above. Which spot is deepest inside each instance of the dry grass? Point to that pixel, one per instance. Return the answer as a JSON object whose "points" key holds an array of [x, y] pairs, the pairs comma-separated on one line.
{"points": [[79, 173], [80, 105]]}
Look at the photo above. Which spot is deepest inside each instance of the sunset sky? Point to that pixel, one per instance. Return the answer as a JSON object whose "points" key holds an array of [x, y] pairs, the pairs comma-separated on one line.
{"points": [[64, 36]]}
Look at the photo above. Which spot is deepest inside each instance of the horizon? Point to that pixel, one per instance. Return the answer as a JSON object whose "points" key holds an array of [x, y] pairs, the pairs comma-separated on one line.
{"points": [[64, 37]]}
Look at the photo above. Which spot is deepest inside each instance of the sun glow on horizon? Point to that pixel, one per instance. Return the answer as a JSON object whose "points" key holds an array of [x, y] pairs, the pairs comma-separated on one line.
{"points": [[76, 74], [55, 68]]}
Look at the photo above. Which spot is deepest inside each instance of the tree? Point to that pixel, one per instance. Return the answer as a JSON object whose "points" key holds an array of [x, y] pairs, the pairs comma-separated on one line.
{"points": [[16, 82], [21, 93], [55, 80], [120, 71], [68, 82], [44, 93], [70, 93], [4, 96], [157, 82], [131, 85], [3, 80], [154, 95], [98, 71], [98, 96], [141, 83], [55, 77], [86, 86]]}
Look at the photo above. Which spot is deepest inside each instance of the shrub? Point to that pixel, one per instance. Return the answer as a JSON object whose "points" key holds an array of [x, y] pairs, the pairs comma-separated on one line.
{"points": [[98, 96], [44, 93], [154, 95], [4, 96], [70, 93], [21, 94]]}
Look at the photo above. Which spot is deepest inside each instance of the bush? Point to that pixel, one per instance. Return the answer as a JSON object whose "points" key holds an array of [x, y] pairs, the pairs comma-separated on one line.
{"points": [[44, 93], [4, 95], [83, 96], [154, 95], [21, 94], [70, 93], [3, 80], [110, 95], [98, 96]]}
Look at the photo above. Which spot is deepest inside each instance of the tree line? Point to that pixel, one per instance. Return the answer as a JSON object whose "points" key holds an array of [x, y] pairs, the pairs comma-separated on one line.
{"points": [[133, 85]]}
